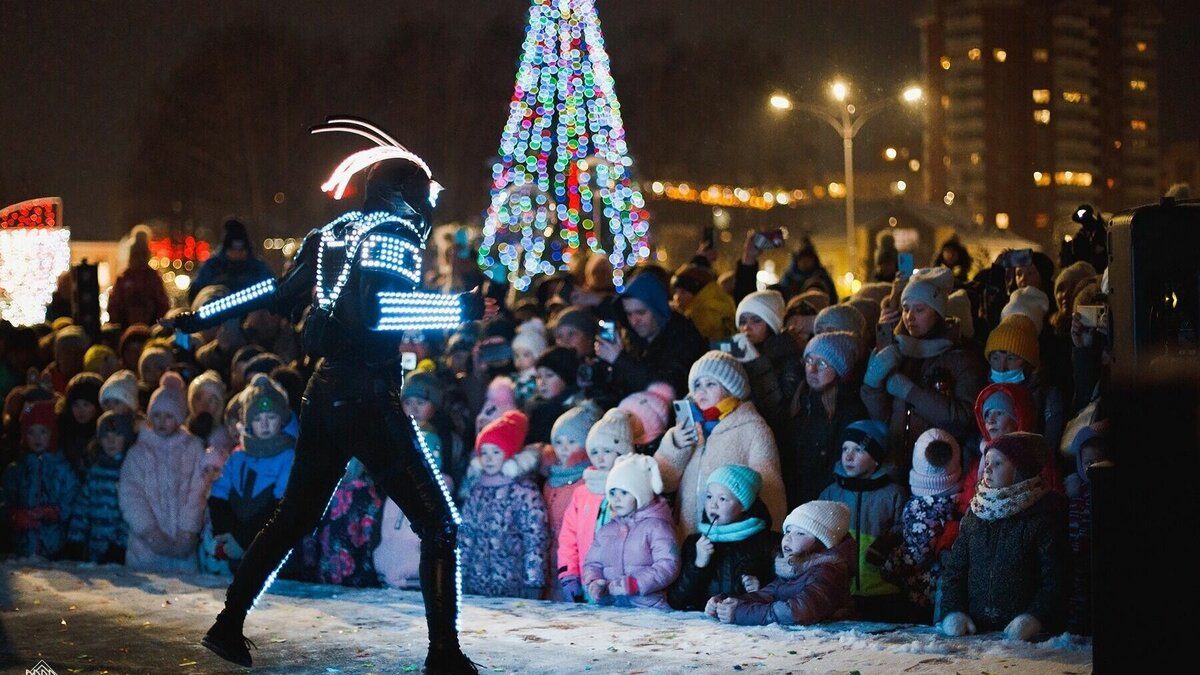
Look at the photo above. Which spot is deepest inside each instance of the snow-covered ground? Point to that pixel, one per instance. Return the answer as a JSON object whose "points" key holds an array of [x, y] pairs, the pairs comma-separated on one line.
{"points": [[82, 618]]}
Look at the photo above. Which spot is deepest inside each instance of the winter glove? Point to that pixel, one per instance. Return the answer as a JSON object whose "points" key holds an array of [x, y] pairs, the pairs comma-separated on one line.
{"points": [[880, 365], [727, 610], [531, 593], [233, 550], [743, 351], [571, 588], [899, 385], [958, 623], [1023, 627], [24, 519]]}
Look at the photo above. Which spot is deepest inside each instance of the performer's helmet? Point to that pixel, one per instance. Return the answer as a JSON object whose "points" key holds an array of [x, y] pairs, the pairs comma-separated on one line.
{"points": [[399, 186]]}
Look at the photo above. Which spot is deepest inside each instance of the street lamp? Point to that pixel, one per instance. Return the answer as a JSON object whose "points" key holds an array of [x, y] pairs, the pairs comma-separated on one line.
{"points": [[846, 119]]}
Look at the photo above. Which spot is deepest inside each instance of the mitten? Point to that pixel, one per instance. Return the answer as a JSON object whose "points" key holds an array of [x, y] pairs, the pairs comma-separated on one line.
{"points": [[571, 588], [880, 365], [899, 385], [958, 623], [1023, 627]]}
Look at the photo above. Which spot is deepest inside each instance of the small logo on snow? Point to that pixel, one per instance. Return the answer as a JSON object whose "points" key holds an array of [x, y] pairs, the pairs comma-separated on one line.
{"points": [[41, 669]]}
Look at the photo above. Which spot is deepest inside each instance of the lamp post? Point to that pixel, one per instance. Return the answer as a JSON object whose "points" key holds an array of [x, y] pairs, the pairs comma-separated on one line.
{"points": [[846, 119]]}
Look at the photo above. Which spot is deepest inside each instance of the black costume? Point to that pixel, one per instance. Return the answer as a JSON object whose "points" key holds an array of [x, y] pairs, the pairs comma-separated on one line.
{"points": [[363, 268]]}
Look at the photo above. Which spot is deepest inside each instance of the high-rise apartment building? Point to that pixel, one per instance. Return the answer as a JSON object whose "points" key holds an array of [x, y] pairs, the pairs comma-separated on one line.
{"points": [[1038, 107]]}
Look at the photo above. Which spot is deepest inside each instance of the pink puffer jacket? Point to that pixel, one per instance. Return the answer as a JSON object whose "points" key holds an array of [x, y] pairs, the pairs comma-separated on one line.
{"points": [[641, 549]]}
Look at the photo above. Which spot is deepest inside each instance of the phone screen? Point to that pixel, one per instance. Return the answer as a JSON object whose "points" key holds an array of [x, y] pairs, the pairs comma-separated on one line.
{"points": [[906, 264], [183, 340], [683, 410], [608, 331]]}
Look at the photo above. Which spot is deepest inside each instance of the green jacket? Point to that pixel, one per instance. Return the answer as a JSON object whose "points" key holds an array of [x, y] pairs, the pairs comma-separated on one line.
{"points": [[876, 504]]}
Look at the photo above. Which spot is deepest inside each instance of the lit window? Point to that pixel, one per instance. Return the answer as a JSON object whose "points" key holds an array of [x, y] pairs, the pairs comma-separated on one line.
{"points": [[1137, 85], [1000, 55], [1041, 116], [979, 219], [1041, 95], [945, 102], [1075, 97], [974, 54], [1142, 46], [1076, 178], [1002, 221], [945, 61], [975, 158], [1137, 125], [1041, 55]]}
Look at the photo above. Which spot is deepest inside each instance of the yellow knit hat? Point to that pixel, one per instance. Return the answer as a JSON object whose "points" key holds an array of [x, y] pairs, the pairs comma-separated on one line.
{"points": [[1015, 335]]}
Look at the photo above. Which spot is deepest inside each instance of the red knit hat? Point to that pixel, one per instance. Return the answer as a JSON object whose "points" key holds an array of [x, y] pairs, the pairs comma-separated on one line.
{"points": [[1027, 452], [39, 412], [506, 432]]}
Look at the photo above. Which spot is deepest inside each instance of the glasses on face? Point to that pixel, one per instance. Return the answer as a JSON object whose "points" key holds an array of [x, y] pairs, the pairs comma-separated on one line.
{"points": [[815, 362]]}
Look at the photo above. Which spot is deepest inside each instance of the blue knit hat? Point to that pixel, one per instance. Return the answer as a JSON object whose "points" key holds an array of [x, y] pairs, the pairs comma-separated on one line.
{"points": [[646, 288], [838, 348], [872, 435], [575, 423], [741, 480]]}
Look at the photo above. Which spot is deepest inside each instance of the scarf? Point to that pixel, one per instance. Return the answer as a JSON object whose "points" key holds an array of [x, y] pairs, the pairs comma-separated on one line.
{"points": [[494, 479], [267, 447], [595, 479], [729, 532], [922, 348], [991, 503], [710, 417], [565, 475]]}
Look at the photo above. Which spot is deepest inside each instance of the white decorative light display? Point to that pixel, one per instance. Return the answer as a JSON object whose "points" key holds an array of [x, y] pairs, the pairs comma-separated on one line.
{"points": [[562, 179], [418, 311], [34, 251]]}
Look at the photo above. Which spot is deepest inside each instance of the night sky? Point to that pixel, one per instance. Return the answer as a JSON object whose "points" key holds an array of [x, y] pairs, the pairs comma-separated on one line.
{"points": [[74, 75]]}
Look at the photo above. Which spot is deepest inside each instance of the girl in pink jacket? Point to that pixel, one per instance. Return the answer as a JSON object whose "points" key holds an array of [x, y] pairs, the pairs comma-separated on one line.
{"points": [[609, 438], [568, 437], [634, 558], [162, 490]]}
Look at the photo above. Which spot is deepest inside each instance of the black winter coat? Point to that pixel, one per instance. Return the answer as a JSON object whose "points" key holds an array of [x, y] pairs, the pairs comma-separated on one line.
{"points": [[813, 445], [754, 555], [667, 358], [999, 569]]}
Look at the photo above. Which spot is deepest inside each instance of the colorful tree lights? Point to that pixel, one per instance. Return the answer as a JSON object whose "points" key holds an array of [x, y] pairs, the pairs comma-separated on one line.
{"points": [[34, 251], [563, 176]]}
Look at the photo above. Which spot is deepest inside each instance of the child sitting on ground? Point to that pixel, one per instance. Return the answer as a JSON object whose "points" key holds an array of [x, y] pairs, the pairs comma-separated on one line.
{"points": [[634, 557], [39, 488], [735, 551], [609, 439], [812, 573], [96, 523], [503, 531]]}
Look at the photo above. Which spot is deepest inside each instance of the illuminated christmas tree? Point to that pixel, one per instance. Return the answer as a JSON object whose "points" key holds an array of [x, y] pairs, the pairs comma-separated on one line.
{"points": [[34, 250], [562, 180]]}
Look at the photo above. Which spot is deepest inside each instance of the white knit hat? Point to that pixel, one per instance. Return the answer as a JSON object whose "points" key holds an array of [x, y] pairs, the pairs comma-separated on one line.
{"points": [[614, 430], [639, 476], [936, 463], [827, 521], [208, 380], [930, 285], [121, 386], [1029, 302], [724, 369], [766, 305], [531, 335], [958, 305]]}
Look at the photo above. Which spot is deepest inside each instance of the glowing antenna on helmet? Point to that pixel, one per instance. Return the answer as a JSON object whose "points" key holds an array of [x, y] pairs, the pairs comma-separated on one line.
{"points": [[388, 148]]}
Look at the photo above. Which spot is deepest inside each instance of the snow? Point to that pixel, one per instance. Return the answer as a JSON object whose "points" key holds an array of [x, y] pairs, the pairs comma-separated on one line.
{"points": [[88, 618]]}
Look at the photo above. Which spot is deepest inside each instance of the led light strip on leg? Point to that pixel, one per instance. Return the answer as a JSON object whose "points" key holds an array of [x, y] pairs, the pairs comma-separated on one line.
{"points": [[242, 297], [454, 515], [418, 311]]}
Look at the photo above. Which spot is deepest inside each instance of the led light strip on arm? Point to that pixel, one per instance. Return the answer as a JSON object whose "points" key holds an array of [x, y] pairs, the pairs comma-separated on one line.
{"points": [[418, 311], [242, 297]]}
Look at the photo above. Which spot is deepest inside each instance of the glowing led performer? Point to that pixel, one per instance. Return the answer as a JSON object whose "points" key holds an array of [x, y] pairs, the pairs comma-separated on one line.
{"points": [[358, 275]]}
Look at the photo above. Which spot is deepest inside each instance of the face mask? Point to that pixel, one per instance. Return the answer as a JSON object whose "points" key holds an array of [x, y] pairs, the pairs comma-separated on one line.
{"points": [[1008, 376]]}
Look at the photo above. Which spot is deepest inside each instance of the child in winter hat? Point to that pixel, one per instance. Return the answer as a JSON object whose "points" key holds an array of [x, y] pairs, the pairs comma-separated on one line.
{"points": [[120, 393], [812, 573], [1017, 336], [161, 489], [1008, 568], [935, 480], [931, 286], [556, 387], [503, 532], [634, 558], [567, 460], [97, 527], [206, 403], [528, 344], [767, 306], [500, 398], [41, 486], [1088, 449], [651, 410], [421, 398], [734, 551], [876, 502], [100, 359], [610, 438]]}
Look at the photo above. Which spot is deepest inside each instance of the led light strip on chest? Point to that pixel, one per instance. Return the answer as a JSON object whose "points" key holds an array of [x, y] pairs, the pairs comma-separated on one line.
{"points": [[240, 298], [392, 254], [418, 311], [392, 259]]}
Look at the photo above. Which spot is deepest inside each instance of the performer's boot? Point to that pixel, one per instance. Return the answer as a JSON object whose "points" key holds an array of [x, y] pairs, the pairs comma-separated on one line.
{"points": [[225, 639], [440, 589]]}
